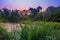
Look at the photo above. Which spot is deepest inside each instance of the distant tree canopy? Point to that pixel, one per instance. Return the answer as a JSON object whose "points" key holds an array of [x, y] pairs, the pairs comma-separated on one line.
{"points": [[50, 14], [9, 16], [35, 11]]}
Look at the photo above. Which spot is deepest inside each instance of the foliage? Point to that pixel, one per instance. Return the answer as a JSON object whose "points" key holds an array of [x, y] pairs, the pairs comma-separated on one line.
{"points": [[9, 16], [52, 14], [33, 31], [38, 31], [35, 11], [39, 17], [4, 35]]}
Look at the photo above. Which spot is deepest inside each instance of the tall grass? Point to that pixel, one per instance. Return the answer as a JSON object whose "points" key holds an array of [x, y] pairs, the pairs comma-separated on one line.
{"points": [[40, 31], [4, 35], [36, 31]]}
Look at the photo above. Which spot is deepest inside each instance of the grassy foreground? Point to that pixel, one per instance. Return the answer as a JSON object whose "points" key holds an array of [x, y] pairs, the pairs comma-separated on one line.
{"points": [[33, 31]]}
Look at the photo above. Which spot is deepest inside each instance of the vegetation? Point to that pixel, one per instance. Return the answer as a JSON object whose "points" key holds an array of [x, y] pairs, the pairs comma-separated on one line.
{"points": [[4, 35], [52, 14], [33, 31], [37, 26]]}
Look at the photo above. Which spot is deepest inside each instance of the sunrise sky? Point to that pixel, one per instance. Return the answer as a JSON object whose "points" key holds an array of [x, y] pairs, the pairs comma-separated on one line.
{"points": [[26, 4]]}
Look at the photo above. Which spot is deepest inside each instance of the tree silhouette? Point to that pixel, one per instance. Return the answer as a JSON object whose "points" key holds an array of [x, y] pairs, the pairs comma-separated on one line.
{"points": [[35, 11], [39, 8], [9, 16], [52, 14]]}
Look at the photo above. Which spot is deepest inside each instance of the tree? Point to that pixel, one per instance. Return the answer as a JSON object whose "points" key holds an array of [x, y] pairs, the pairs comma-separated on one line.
{"points": [[39, 17], [35, 11], [6, 14], [38, 9], [1, 19], [9, 16], [52, 14], [14, 17]]}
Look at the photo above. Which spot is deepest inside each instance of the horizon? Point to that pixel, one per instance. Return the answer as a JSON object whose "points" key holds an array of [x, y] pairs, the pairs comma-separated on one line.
{"points": [[25, 4]]}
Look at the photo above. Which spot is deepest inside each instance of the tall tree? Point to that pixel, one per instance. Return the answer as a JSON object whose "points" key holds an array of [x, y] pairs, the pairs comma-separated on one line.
{"points": [[52, 14], [35, 11]]}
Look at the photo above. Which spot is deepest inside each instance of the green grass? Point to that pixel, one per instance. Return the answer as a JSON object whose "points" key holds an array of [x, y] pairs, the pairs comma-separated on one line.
{"points": [[4, 35], [37, 31]]}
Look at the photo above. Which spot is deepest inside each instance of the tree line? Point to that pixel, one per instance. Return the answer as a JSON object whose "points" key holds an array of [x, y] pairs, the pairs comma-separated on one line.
{"points": [[51, 14]]}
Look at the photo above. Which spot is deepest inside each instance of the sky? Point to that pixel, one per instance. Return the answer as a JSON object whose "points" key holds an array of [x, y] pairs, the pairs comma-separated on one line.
{"points": [[26, 4]]}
